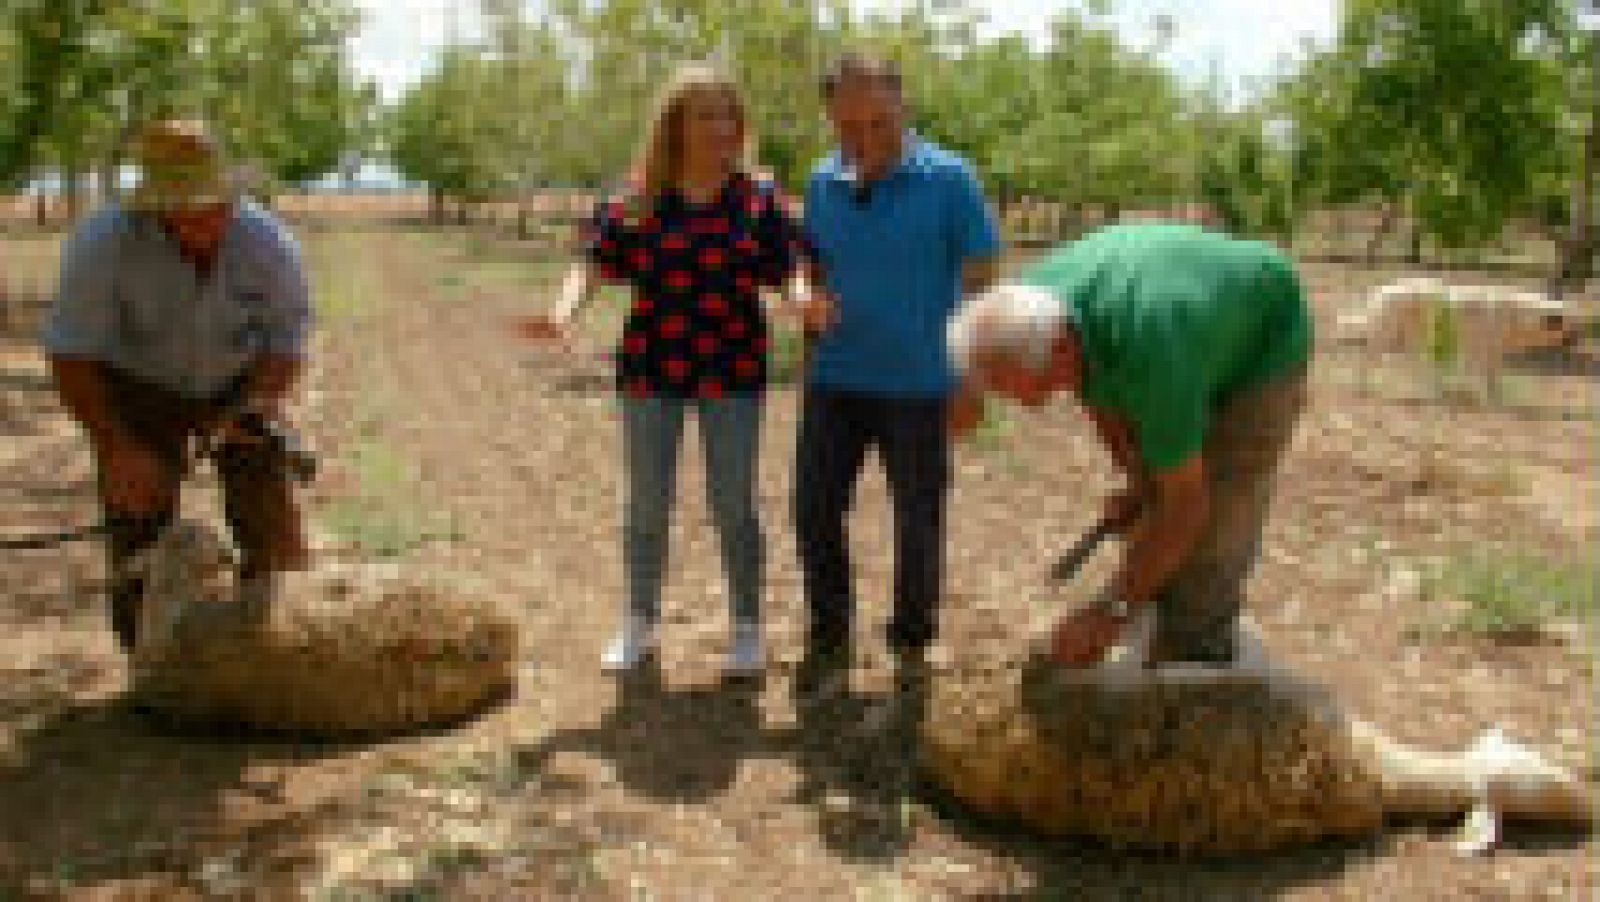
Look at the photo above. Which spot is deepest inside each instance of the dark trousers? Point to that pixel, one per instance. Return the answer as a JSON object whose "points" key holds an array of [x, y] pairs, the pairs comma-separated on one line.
{"points": [[1198, 610], [836, 429], [256, 488]]}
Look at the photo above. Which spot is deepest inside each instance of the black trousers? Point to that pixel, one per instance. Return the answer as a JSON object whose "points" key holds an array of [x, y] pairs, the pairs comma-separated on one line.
{"points": [[836, 430]]}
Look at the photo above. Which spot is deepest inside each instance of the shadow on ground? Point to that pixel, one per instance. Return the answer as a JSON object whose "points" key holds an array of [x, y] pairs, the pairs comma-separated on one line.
{"points": [[91, 795], [686, 746]]}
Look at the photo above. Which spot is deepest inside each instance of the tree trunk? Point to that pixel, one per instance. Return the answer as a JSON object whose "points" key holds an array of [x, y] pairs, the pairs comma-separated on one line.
{"points": [[435, 206], [41, 209], [1578, 250], [1578, 247], [110, 183], [1391, 211]]}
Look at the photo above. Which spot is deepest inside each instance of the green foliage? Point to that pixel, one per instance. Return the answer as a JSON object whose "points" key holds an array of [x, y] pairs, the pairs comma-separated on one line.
{"points": [[1461, 113], [383, 519], [1241, 174], [439, 134], [1086, 120], [994, 429], [272, 75], [1452, 108], [1517, 593], [1441, 334]]}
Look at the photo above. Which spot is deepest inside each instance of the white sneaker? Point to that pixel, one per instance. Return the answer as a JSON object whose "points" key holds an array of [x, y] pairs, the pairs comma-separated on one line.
{"points": [[745, 654], [633, 642]]}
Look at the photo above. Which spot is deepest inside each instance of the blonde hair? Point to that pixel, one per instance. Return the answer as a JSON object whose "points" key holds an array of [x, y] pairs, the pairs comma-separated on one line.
{"points": [[660, 159]]}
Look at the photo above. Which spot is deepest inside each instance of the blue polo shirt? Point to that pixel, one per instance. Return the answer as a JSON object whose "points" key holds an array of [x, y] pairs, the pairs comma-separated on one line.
{"points": [[894, 263], [127, 297]]}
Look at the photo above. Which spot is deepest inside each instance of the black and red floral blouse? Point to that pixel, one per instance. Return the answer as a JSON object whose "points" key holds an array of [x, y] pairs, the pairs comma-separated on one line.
{"points": [[696, 329]]}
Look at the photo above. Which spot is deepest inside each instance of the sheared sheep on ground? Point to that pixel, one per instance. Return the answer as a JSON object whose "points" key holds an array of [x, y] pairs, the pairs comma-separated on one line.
{"points": [[1207, 761], [1490, 322], [346, 649]]}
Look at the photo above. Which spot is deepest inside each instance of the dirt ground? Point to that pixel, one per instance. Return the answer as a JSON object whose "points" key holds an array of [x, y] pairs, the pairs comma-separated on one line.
{"points": [[457, 448]]}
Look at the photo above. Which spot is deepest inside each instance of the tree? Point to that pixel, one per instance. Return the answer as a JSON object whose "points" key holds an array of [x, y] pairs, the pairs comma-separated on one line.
{"points": [[277, 80], [533, 101], [1447, 107], [272, 75], [443, 132], [1581, 240], [1104, 123], [1243, 170], [62, 74]]}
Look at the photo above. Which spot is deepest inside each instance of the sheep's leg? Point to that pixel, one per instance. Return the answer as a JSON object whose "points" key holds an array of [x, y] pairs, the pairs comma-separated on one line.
{"points": [[1520, 783], [1416, 781], [1509, 779]]}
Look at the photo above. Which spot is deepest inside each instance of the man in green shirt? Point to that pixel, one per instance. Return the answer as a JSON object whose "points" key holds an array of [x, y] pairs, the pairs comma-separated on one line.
{"points": [[1189, 350]]}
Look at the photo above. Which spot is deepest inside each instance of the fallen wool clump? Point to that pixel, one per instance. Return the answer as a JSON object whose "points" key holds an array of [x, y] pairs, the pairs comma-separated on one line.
{"points": [[1208, 761], [351, 648]]}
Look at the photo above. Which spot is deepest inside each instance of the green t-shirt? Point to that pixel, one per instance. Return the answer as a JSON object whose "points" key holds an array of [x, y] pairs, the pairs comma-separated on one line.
{"points": [[1174, 320]]}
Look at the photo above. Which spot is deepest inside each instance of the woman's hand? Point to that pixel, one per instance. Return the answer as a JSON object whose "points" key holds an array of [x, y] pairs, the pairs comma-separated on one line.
{"points": [[545, 330]]}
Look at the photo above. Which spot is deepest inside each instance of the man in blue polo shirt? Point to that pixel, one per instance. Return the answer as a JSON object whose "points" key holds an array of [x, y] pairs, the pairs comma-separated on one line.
{"points": [[175, 309], [900, 229]]}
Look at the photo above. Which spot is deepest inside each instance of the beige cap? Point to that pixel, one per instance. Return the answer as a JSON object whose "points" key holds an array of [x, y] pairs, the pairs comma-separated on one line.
{"points": [[180, 166]]}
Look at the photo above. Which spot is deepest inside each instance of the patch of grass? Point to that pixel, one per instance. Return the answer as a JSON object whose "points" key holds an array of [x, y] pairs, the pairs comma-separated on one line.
{"points": [[992, 438], [453, 860], [339, 279], [379, 531], [383, 519], [379, 468], [1516, 593], [994, 429], [339, 305]]}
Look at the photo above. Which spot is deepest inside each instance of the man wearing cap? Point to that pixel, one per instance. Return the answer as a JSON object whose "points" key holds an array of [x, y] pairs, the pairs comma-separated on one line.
{"points": [[1189, 349], [173, 307]]}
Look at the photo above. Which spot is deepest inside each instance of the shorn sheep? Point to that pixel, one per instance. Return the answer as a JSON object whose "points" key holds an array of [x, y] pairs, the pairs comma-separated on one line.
{"points": [[1208, 760], [1488, 323], [349, 648]]}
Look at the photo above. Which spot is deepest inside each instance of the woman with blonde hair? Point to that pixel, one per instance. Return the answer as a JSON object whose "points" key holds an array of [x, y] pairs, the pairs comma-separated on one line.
{"points": [[696, 236]]}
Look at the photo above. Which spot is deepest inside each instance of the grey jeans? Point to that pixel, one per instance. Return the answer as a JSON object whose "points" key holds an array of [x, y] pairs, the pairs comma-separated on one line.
{"points": [[730, 433], [1199, 609]]}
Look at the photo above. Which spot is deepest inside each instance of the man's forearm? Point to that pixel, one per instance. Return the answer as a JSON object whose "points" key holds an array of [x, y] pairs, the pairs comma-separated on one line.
{"points": [[1156, 549], [1179, 505], [84, 391], [1118, 439]]}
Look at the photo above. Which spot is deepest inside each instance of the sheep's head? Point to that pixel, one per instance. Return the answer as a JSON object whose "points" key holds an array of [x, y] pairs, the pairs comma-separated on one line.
{"points": [[189, 565]]}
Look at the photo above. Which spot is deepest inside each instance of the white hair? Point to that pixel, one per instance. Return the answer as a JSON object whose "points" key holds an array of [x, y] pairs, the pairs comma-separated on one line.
{"points": [[1008, 320]]}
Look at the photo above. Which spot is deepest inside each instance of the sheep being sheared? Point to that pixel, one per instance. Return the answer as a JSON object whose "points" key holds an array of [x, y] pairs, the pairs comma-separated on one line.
{"points": [[1207, 760], [349, 648]]}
